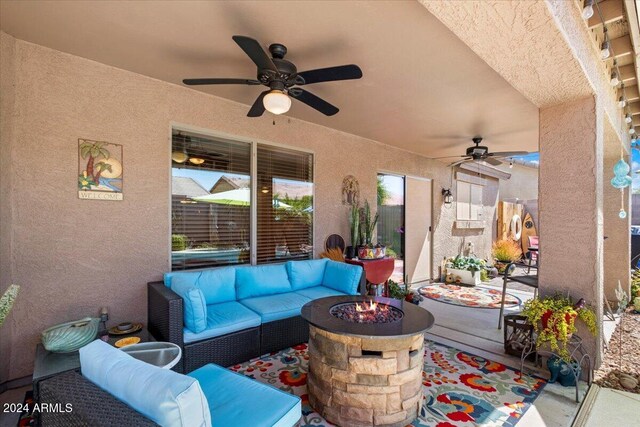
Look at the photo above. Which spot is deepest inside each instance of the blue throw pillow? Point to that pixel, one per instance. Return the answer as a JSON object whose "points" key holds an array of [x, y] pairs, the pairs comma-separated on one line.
{"points": [[342, 277], [306, 274], [166, 397], [194, 303], [218, 284], [260, 281]]}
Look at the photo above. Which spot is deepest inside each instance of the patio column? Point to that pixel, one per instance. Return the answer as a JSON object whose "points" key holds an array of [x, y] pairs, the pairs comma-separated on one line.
{"points": [[617, 240], [570, 205]]}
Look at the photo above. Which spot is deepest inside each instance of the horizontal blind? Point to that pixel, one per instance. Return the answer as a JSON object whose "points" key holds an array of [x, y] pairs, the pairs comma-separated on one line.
{"points": [[284, 204], [210, 194]]}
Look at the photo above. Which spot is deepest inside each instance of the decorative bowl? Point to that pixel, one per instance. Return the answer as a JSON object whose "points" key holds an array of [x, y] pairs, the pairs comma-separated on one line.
{"points": [[70, 336], [127, 341], [372, 253], [125, 326]]}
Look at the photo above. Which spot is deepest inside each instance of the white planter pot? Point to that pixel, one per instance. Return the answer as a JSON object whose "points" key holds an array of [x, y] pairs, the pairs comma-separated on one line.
{"points": [[466, 277]]}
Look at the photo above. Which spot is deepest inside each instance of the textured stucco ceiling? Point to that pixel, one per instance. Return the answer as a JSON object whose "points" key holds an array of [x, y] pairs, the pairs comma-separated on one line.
{"points": [[423, 89]]}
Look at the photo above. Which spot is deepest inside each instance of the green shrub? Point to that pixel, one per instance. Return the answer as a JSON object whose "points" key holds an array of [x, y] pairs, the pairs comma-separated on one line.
{"points": [[178, 242], [635, 284]]}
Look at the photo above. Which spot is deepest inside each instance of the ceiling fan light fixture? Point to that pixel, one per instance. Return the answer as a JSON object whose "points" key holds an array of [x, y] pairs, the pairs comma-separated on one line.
{"points": [[196, 160], [179, 156], [277, 102]]}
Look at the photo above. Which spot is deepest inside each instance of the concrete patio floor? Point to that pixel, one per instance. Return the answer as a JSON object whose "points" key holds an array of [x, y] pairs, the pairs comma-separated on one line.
{"points": [[475, 331]]}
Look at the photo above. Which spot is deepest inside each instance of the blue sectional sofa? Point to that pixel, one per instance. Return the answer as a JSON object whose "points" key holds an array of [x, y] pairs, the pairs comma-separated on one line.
{"points": [[232, 314], [116, 389]]}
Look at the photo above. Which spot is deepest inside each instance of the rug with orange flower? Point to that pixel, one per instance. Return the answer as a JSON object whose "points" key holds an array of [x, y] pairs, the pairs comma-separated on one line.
{"points": [[460, 389], [465, 296]]}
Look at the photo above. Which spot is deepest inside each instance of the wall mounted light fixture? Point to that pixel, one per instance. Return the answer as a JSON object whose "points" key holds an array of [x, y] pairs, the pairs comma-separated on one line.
{"points": [[447, 196]]}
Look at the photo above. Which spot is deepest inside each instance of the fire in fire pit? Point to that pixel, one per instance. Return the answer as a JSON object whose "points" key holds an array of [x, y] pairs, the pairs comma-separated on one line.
{"points": [[371, 312]]}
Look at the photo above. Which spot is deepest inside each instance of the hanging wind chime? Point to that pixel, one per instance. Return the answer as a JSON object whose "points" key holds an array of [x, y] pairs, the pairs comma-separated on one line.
{"points": [[621, 180]]}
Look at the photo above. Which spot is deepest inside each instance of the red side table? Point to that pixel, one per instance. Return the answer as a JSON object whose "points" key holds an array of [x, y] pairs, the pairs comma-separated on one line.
{"points": [[376, 271]]}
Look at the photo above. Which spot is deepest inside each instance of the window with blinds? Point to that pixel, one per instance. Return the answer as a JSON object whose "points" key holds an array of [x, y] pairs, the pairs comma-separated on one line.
{"points": [[210, 201], [284, 204]]}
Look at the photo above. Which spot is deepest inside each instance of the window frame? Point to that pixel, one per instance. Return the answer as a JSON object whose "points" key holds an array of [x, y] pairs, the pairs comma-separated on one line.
{"points": [[253, 170]]}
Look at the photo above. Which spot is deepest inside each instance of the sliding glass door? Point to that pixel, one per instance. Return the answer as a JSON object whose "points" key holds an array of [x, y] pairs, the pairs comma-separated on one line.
{"points": [[391, 220]]}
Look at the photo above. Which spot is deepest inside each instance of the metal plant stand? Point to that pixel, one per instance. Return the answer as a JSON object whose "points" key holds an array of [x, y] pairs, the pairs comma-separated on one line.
{"points": [[577, 353]]}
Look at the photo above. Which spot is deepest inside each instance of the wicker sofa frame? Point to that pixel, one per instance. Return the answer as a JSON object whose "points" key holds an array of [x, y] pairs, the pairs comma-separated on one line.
{"points": [[165, 323], [90, 405]]}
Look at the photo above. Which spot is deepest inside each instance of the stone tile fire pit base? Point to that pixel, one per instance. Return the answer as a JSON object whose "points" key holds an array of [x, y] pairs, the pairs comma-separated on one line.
{"points": [[356, 381]]}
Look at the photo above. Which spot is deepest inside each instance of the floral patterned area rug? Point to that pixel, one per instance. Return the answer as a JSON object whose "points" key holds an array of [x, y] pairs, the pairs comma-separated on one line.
{"points": [[465, 296], [460, 389]]}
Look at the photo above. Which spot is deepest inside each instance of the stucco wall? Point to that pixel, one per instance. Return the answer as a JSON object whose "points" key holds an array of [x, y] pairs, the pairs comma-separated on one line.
{"points": [[7, 98], [522, 185], [72, 256], [617, 239], [571, 222]]}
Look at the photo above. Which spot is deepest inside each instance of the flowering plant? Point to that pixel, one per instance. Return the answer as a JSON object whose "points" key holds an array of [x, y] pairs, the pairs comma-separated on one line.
{"points": [[553, 319]]}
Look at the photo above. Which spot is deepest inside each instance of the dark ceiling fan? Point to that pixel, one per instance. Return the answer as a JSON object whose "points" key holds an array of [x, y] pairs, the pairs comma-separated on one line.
{"points": [[481, 153], [280, 76]]}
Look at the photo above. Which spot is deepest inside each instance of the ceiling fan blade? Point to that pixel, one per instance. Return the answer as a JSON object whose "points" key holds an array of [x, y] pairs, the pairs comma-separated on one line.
{"points": [[192, 82], [341, 72], [257, 54], [493, 161], [313, 101], [445, 157], [257, 109], [508, 153], [459, 162]]}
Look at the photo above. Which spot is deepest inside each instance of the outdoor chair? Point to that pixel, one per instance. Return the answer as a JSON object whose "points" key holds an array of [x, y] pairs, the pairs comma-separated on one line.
{"points": [[533, 251], [528, 280]]}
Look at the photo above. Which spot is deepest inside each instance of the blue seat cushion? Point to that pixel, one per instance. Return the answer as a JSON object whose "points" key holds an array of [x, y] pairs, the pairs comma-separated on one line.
{"points": [[193, 301], [262, 280], [342, 277], [218, 284], [223, 319], [319, 292], [306, 274], [276, 307], [191, 276], [239, 401], [166, 397]]}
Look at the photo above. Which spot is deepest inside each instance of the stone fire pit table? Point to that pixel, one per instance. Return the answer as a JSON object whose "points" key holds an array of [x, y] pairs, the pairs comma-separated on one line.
{"points": [[363, 374]]}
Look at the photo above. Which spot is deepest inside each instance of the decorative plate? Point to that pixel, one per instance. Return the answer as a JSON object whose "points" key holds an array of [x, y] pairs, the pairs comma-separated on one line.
{"points": [[115, 331], [123, 342]]}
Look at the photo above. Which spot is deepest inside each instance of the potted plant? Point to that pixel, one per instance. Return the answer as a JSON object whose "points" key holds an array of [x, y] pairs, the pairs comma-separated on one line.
{"points": [[403, 293], [367, 250], [504, 252], [465, 269], [7, 300], [354, 228], [553, 319]]}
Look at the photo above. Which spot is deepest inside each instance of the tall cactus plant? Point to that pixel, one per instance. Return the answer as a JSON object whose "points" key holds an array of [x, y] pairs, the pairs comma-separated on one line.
{"points": [[354, 223], [367, 224]]}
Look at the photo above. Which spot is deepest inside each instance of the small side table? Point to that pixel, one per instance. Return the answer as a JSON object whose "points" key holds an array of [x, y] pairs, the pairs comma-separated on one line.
{"points": [[48, 364]]}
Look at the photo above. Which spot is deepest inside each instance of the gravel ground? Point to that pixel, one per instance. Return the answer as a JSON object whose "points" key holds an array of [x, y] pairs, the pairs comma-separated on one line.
{"points": [[607, 375]]}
